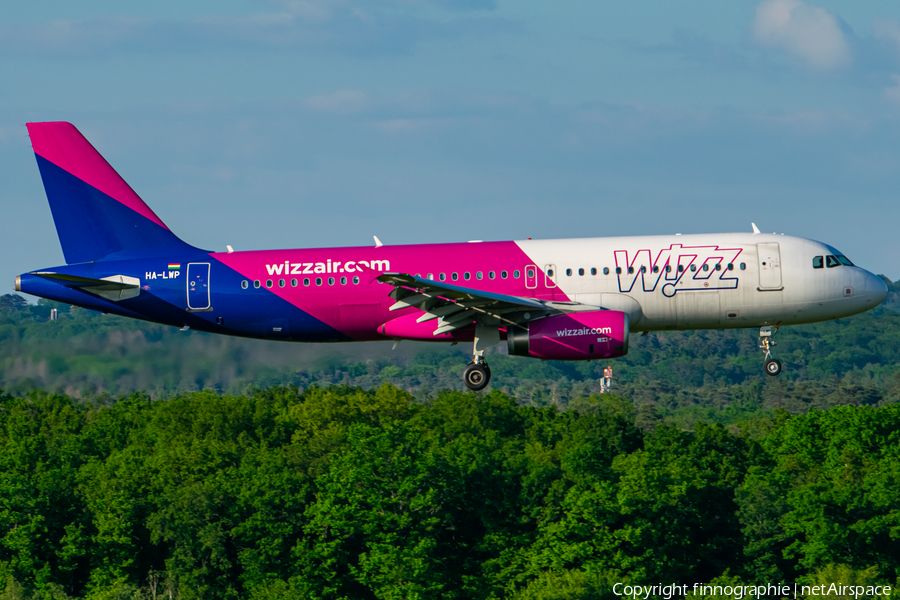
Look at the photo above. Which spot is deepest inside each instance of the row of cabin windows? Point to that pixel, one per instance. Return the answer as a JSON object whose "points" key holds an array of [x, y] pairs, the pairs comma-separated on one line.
{"points": [[505, 274], [831, 261], [655, 269], [478, 275]]}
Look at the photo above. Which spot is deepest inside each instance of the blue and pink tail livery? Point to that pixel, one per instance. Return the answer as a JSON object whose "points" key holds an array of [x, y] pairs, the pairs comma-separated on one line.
{"points": [[98, 216]]}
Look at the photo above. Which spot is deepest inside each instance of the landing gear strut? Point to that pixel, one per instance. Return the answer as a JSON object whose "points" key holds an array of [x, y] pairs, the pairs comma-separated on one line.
{"points": [[766, 343]]}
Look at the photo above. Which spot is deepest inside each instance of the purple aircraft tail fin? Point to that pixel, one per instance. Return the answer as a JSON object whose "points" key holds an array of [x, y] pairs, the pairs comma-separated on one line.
{"points": [[98, 216]]}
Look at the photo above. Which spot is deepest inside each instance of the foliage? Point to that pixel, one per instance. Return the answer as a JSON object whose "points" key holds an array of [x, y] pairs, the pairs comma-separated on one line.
{"points": [[338, 492], [685, 376]]}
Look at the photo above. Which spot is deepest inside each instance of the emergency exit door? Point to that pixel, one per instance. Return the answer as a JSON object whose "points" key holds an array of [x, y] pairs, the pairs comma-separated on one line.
{"points": [[769, 257], [531, 276], [198, 286]]}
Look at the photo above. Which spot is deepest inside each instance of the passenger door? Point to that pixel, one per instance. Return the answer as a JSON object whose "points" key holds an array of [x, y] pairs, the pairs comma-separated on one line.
{"points": [[198, 286], [769, 262]]}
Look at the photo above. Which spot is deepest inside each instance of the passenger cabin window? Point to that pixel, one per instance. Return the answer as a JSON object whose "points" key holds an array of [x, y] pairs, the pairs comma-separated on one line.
{"points": [[718, 266], [466, 276], [568, 272], [743, 266], [643, 270], [631, 270], [618, 270], [492, 275], [479, 275], [306, 282], [668, 268], [256, 283], [731, 266], [606, 270], [581, 271], [593, 270], [245, 284], [516, 274], [693, 268], [831, 262], [705, 267], [656, 268], [355, 279], [442, 277], [818, 262], [503, 275], [293, 283], [454, 276]]}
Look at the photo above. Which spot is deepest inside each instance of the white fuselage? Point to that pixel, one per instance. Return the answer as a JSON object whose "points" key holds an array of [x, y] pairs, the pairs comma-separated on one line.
{"points": [[706, 281]]}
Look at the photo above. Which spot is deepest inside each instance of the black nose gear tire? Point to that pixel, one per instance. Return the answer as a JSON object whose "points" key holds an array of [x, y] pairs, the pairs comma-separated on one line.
{"points": [[476, 376], [773, 366]]}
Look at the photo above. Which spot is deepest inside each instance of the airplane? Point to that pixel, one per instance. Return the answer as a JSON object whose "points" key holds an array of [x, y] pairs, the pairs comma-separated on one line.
{"points": [[569, 299]]}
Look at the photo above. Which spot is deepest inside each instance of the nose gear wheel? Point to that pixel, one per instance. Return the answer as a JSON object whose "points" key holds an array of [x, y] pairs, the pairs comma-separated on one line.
{"points": [[766, 343]]}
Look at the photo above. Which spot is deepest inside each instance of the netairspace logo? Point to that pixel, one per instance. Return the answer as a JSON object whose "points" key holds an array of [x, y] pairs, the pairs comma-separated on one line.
{"points": [[329, 266], [737, 592]]}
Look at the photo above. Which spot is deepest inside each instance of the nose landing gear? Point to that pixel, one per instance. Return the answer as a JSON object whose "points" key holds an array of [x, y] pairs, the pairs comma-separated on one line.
{"points": [[766, 343]]}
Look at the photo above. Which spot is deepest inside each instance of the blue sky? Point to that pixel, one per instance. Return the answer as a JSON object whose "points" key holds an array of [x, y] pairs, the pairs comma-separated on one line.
{"points": [[302, 123]]}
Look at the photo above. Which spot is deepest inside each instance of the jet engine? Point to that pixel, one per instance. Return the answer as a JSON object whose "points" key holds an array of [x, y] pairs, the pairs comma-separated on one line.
{"points": [[586, 335]]}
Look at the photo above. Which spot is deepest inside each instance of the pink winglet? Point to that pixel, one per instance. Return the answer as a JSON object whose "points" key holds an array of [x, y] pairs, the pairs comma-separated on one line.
{"points": [[63, 145]]}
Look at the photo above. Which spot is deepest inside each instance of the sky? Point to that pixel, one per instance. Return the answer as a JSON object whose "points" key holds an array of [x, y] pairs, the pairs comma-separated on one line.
{"points": [[306, 123]]}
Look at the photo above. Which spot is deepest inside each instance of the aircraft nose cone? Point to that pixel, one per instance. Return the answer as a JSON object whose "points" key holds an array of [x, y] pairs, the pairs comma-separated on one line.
{"points": [[876, 289]]}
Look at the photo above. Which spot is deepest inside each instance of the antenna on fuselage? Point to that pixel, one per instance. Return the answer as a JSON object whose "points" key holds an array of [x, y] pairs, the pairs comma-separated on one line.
{"points": [[755, 228]]}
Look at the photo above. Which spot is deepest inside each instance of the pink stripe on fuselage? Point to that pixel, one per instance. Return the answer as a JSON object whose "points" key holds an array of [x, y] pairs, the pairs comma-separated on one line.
{"points": [[357, 310], [63, 145]]}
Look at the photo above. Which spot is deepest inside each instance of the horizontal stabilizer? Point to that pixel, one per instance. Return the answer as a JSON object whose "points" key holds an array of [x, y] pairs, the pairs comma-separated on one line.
{"points": [[114, 287]]}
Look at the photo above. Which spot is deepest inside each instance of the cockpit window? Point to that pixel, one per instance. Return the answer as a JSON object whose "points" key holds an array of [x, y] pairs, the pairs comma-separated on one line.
{"points": [[832, 261], [818, 262], [844, 260]]}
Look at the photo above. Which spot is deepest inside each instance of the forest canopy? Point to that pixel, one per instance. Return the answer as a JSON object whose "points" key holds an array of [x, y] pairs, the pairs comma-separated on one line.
{"points": [[345, 493]]}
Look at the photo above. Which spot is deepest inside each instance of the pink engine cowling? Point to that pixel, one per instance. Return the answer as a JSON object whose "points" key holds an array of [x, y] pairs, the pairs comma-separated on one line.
{"points": [[574, 336]]}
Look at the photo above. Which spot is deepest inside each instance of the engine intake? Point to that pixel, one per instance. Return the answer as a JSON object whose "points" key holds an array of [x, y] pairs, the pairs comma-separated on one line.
{"points": [[575, 336]]}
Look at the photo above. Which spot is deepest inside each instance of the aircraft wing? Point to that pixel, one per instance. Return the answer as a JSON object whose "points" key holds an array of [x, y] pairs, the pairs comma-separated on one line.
{"points": [[457, 306], [115, 288]]}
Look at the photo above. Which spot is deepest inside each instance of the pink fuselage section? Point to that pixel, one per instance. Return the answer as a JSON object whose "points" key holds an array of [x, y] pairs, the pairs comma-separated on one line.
{"points": [[320, 282]]}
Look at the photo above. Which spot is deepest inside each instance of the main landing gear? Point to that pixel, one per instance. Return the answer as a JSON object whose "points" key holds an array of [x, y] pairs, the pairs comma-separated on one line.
{"points": [[766, 343], [477, 374]]}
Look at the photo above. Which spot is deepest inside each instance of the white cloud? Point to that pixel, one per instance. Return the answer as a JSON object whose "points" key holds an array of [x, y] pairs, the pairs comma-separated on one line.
{"points": [[807, 32]]}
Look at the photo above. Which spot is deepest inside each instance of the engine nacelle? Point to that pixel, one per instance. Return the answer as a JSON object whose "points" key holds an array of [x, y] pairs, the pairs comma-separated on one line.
{"points": [[574, 336]]}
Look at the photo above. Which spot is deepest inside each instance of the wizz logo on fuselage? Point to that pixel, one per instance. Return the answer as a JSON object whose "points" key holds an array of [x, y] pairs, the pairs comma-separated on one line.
{"points": [[707, 268]]}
